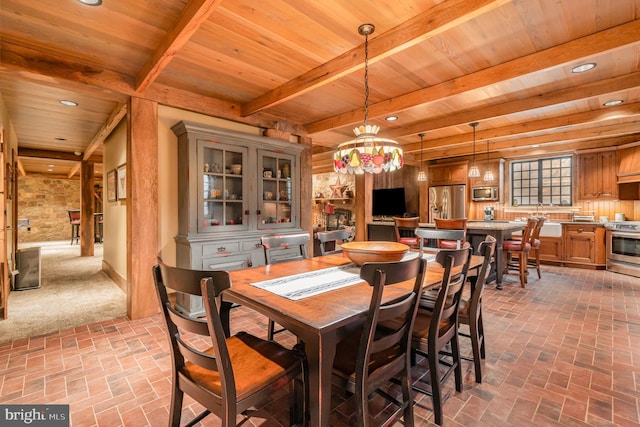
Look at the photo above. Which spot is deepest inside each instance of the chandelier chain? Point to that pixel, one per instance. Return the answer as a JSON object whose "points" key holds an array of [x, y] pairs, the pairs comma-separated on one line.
{"points": [[366, 79]]}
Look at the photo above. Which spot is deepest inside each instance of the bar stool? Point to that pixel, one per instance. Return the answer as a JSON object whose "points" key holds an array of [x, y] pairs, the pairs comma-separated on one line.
{"points": [[519, 249], [74, 220]]}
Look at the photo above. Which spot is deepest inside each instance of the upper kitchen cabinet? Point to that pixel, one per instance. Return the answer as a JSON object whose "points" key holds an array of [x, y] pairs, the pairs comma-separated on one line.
{"points": [[448, 174], [597, 175], [629, 172]]}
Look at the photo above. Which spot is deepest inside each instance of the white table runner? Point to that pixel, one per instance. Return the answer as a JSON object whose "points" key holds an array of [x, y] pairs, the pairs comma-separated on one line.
{"points": [[304, 285]]}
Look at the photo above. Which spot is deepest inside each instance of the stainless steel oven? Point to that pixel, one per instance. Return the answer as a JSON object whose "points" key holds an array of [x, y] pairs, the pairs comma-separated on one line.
{"points": [[623, 247]]}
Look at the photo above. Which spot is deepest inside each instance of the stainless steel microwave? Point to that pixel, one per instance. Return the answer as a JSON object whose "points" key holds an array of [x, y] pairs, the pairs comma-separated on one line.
{"points": [[484, 193]]}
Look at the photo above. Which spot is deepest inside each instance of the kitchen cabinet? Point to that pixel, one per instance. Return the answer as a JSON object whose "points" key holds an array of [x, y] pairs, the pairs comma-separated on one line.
{"points": [[584, 244], [551, 249], [447, 174], [496, 166], [597, 175], [629, 164], [233, 187]]}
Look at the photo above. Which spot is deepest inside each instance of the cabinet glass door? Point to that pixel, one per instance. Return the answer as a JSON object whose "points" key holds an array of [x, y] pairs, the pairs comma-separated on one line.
{"points": [[222, 187], [277, 190]]}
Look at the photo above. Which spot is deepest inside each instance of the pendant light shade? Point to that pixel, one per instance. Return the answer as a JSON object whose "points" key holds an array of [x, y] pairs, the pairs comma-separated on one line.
{"points": [[367, 153], [474, 172], [422, 177], [488, 175]]}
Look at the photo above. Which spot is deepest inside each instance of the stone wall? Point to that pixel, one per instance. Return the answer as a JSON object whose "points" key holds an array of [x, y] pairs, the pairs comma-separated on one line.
{"points": [[45, 201]]}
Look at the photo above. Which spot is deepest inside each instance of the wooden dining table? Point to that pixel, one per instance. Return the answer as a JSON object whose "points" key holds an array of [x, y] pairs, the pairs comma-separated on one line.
{"points": [[320, 321]]}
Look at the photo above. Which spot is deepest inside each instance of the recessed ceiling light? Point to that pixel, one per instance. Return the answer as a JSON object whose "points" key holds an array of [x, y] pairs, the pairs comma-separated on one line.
{"points": [[613, 102], [391, 118], [49, 170], [535, 146], [91, 2], [77, 153], [68, 103], [59, 138], [583, 67], [50, 166]]}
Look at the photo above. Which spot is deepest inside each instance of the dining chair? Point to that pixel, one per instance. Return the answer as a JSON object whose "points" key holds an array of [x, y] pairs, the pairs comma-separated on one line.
{"points": [[379, 351], [534, 252], [234, 373], [513, 250], [404, 229], [426, 234], [470, 310], [74, 220], [282, 248], [436, 327], [452, 224], [334, 236]]}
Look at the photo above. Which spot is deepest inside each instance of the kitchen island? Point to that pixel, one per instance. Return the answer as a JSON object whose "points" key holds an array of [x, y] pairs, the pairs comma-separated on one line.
{"points": [[477, 231]]}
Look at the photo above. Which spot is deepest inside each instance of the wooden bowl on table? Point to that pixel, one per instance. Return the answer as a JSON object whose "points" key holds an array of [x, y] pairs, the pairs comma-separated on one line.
{"points": [[361, 252]]}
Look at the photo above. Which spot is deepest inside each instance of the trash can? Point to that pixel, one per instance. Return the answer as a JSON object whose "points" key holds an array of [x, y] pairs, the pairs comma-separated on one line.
{"points": [[28, 269]]}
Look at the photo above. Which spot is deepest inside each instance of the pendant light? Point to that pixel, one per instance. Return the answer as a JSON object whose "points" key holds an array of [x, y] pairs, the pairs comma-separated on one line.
{"points": [[474, 172], [488, 175], [422, 177], [367, 153]]}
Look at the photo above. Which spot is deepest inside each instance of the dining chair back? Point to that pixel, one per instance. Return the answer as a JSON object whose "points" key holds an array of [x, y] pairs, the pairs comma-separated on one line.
{"points": [[436, 326], [470, 310], [380, 351], [425, 234], [74, 220], [335, 237], [225, 374], [405, 230], [452, 224], [519, 250], [282, 248]]}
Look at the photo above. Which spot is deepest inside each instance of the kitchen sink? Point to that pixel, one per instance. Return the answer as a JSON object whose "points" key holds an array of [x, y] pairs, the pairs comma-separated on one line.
{"points": [[549, 229]]}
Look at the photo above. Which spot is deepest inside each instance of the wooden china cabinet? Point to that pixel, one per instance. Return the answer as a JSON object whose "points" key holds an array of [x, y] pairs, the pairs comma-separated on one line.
{"points": [[233, 187]]}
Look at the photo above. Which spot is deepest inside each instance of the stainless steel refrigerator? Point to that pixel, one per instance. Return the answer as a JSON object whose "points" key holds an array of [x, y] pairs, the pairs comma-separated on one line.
{"points": [[447, 202]]}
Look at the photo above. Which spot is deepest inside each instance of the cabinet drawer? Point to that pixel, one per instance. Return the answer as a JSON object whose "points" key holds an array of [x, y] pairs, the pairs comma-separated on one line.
{"points": [[220, 248], [575, 228], [227, 262]]}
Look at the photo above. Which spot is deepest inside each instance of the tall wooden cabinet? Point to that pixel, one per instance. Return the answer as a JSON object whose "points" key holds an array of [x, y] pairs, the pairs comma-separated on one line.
{"points": [[448, 174], [233, 187], [597, 175]]}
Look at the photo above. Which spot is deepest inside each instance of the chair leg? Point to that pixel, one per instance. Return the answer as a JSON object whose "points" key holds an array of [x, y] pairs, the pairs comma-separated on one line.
{"points": [[435, 388], [175, 412], [476, 348], [481, 336], [538, 262], [455, 356], [523, 268]]}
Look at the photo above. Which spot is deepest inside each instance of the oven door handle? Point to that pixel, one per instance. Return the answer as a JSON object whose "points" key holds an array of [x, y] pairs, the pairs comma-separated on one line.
{"points": [[630, 235]]}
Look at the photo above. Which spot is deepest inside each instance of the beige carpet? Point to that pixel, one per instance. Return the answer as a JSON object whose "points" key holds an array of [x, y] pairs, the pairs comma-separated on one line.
{"points": [[74, 291]]}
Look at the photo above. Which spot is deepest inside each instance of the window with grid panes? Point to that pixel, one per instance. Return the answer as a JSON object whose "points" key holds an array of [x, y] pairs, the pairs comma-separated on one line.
{"points": [[547, 181]]}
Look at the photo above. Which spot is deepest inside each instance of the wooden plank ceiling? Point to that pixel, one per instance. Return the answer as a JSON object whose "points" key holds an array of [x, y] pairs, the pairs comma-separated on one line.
{"points": [[436, 65]]}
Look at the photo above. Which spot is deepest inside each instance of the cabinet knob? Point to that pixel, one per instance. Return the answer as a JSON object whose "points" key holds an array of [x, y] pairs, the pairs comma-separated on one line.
{"points": [[247, 212], [258, 212]]}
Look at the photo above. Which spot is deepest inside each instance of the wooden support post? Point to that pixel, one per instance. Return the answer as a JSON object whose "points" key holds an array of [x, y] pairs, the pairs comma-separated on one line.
{"points": [[87, 179], [142, 207]]}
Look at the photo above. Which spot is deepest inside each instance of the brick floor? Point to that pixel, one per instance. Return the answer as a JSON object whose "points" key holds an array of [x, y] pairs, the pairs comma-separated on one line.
{"points": [[565, 351]]}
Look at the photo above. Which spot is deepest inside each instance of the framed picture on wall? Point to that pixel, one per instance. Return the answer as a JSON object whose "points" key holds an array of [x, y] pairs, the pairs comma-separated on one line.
{"points": [[112, 194], [122, 181]]}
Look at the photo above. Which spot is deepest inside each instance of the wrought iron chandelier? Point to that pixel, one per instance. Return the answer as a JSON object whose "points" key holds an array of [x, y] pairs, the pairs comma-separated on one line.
{"points": [[474, 172], [421, 175], [367, 153]]}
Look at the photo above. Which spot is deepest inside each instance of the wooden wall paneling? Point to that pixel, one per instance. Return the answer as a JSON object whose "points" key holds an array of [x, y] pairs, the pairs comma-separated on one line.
{"points": [[87, 179], [142, 207]]}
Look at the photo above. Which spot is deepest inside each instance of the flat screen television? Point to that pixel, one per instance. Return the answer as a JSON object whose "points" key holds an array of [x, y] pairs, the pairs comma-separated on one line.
{"points": [[388, 202]]}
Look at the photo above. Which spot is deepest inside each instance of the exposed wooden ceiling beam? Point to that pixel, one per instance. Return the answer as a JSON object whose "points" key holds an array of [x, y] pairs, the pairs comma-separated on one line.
{"points": [[582, 91], [47, 154], [432, 22], [625, 117], [555, 56], [195, 13]]}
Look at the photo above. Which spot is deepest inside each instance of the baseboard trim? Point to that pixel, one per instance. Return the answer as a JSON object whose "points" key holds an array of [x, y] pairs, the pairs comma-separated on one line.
{"points": [[115, 276]]}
